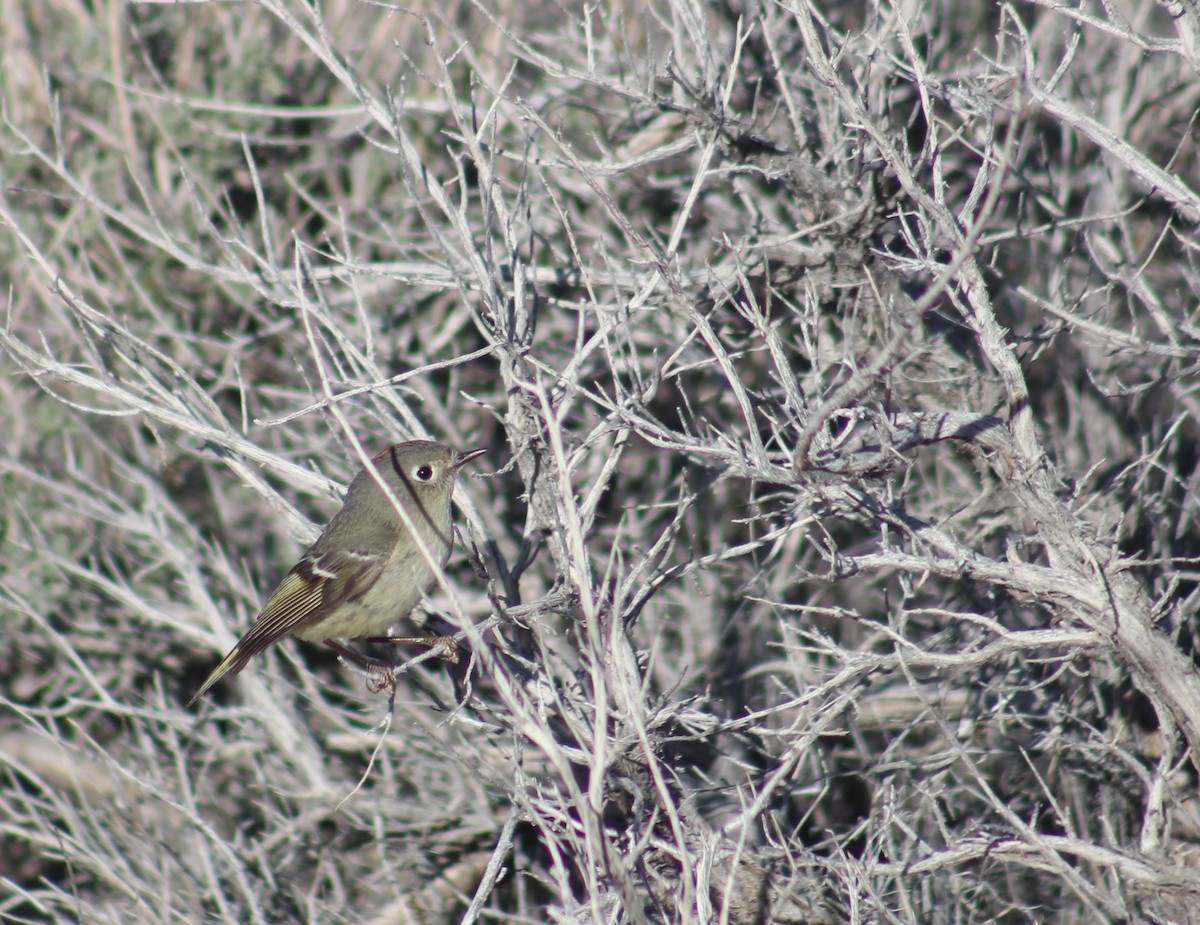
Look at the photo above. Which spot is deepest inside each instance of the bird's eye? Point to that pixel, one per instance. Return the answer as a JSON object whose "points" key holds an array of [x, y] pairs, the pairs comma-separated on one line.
{"points": [[425, 473]]}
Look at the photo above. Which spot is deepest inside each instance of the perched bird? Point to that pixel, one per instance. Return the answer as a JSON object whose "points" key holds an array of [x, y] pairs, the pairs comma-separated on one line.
{"points": [[366, 570]]}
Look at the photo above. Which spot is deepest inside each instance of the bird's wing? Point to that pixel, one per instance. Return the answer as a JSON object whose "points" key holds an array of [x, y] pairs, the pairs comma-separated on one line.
{"points": [[314, 588]]}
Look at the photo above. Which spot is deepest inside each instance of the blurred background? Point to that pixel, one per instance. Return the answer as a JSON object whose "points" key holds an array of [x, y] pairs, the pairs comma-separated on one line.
{"points": [[834, 557]]}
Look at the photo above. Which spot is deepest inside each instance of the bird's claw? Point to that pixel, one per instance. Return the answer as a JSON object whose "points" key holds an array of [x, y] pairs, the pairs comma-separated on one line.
{"points": [[381, 678], [446, 648]]}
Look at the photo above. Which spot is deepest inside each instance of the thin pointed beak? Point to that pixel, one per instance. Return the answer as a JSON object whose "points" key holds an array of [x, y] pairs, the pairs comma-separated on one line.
{"points": [[464, 458]]}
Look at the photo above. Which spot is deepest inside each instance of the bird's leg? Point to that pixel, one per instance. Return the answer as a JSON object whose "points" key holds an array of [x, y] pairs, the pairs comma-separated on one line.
{"points": [[379, 674], [447, 648]]}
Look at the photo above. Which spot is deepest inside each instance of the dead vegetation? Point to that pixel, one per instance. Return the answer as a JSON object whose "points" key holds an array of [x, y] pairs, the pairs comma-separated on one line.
{"points": [[835, 557]]}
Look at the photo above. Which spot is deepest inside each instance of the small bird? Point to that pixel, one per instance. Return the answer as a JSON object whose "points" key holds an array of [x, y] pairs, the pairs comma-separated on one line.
{"points": [[366, 570]]}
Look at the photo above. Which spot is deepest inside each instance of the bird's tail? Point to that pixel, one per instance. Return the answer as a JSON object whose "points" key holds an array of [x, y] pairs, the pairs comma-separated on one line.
{"points": [[232, 663]]}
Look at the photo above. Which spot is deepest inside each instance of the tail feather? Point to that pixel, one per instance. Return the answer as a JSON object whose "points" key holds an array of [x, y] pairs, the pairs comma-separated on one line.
{"points": [[232, 663]]}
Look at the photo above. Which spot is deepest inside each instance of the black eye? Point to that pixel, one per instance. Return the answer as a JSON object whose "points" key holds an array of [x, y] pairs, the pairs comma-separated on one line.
{"points": [[425, 473]]}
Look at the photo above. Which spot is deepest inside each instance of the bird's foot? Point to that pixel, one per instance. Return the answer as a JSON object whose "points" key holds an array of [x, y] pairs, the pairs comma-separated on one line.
{"points": [[380, 675], [445, 646], [381, 678]]}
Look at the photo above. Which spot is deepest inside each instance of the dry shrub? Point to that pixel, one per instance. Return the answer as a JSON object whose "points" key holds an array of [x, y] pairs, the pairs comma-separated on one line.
{"points": [[835, 559]]}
